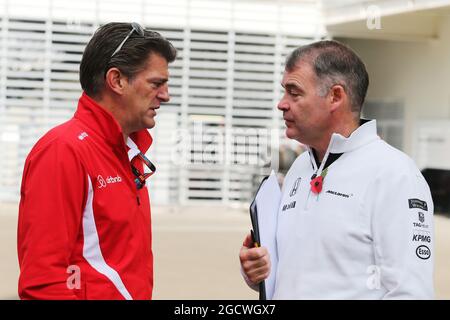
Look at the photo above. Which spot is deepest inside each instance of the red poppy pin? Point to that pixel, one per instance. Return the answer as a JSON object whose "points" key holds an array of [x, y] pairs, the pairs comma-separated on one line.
{"points": [[317, 182]]}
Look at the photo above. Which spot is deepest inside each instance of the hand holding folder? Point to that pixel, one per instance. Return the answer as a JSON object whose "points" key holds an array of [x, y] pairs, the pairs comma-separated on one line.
{"points": [[263, 215]]}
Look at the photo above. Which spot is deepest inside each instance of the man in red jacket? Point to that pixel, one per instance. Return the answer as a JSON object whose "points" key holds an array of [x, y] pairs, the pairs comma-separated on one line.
{"points": [[84, 218]]}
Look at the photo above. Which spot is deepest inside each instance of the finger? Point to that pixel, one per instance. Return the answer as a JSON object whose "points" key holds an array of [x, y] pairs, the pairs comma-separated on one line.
{"points": [[261, 278], [247, 254], [243, 254], [256, 253], [255, 264], [248, 241], [259, 274]]}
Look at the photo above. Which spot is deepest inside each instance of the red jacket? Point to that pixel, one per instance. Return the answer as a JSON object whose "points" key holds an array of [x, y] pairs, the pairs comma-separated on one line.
{"points": [[84, 229]]}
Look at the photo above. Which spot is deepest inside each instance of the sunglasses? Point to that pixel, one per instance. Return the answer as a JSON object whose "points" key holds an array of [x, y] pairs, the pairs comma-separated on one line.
{"points": [[141, 177], [134, 27]]}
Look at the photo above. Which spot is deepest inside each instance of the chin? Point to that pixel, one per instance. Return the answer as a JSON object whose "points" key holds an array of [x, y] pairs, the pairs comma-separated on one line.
{"points": [[293, 134], [289, 133], [149, 123]]}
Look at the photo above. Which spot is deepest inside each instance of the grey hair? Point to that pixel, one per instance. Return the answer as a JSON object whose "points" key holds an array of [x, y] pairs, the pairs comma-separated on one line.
{"points": [[334, 63]]}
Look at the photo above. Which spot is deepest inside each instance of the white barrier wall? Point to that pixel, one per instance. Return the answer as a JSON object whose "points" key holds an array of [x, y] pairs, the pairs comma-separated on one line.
{"points": [[224, 85]]}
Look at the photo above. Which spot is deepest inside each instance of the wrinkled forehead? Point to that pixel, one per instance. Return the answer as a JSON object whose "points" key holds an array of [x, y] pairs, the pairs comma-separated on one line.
{"points": [[302, 73]]}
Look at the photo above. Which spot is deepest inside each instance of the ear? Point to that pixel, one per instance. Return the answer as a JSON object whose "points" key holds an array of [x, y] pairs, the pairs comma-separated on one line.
{"points": [[337, 97], [115, 80]]}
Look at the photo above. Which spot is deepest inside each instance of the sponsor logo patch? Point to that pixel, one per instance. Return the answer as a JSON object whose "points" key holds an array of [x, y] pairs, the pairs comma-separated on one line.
{"points": [[423, 252], [102, 183], [420, 225], [289, 206], [82, 136], [421, 217], [295, 187], [421, 238], [417, 204], [339, 194]]}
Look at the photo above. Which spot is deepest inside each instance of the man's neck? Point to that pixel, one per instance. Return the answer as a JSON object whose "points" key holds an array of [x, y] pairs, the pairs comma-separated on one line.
{"points": [[106, 102]]}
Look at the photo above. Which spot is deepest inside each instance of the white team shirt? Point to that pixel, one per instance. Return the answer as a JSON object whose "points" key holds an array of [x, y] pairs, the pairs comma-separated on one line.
{"points": [[367, 235]]}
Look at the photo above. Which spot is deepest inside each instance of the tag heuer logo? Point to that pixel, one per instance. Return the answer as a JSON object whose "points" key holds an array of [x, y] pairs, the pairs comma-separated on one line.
{"points": [[295, 187], [421, 217]]}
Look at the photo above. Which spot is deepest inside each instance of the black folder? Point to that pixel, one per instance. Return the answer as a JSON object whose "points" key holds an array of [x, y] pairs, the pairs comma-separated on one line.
{"points": [[256, 235]]}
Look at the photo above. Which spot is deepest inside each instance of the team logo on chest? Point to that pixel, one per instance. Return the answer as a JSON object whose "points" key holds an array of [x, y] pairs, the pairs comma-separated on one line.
{"points": [[102, 183], [295, 187]]}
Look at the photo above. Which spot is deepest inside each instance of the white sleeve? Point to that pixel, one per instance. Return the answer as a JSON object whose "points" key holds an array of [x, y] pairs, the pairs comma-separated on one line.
{"points": [[401, 210]]}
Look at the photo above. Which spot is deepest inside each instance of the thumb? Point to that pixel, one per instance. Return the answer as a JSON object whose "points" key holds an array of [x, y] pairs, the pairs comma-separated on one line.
{"points": [[248, 242]]}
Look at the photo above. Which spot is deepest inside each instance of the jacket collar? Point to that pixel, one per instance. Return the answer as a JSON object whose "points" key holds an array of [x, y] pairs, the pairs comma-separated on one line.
{"points": [[364, 134], [103, 123]]}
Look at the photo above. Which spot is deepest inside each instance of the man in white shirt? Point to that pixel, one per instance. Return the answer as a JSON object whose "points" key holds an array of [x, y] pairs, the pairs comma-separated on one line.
{"points": [[356, 215]]}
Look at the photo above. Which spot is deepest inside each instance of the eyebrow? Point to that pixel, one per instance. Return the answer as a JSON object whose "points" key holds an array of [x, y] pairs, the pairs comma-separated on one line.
{"points": [[158, 79], [290, 86]]}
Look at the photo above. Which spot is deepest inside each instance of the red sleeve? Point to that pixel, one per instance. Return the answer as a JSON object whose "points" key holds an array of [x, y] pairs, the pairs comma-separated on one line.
{"points": [[53, 194]]}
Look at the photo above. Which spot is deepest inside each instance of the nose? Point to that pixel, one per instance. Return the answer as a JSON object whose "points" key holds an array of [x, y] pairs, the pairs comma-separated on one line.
{"points": [[163, 93], [283, 105]]}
